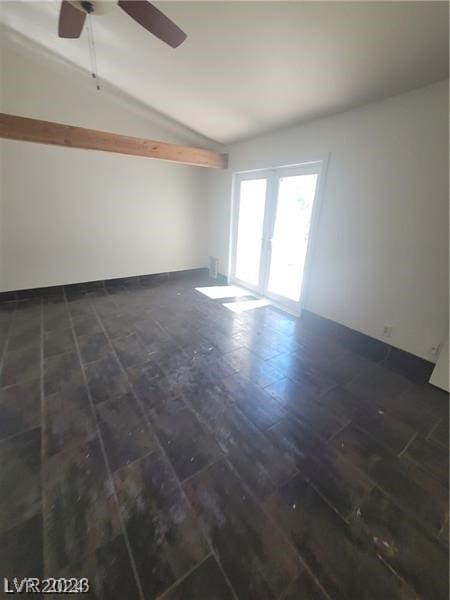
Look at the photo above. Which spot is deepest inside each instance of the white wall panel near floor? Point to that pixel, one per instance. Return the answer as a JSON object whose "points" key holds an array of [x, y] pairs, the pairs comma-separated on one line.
{"points": [[381, 254], [73, 215]]}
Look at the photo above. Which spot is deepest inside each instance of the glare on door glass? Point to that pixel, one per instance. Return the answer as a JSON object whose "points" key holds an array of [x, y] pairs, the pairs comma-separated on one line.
{"points": [[252, 199], [290, 236]]}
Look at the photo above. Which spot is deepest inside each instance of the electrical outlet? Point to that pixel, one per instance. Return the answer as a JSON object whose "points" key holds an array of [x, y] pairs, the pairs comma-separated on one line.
{"points": [[434, 350], [387, 330]]}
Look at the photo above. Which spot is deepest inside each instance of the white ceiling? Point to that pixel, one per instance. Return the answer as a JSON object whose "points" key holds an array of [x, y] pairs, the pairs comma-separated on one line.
{"points": [[249, 67]]}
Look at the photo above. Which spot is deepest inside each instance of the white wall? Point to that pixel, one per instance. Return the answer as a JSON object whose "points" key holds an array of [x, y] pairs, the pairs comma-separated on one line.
{"points": [[69, 215], [381, 253]]}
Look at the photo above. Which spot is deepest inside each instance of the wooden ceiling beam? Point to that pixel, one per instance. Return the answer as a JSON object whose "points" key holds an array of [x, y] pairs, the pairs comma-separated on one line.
{"points": [[45, 132]]}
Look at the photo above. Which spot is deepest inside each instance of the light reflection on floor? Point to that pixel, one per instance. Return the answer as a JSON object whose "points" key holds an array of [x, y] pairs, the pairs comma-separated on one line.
{"points": [[246, 305], [223, 292], [216, 292]]}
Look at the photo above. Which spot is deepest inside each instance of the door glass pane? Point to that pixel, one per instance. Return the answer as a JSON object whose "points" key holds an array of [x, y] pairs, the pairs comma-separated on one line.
{"points": [[252, 200], [290, 236]]}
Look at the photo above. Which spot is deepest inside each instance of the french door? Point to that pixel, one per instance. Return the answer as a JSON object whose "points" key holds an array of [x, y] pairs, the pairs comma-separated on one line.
{"points": [[273, 212]]}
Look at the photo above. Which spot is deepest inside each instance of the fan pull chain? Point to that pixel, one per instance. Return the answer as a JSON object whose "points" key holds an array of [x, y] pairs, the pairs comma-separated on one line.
{"points": [[92, 53]]}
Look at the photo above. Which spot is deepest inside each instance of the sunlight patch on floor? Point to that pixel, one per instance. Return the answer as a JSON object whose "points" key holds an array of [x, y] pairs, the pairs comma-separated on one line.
{"points": [[223, 291], [244, 305]]}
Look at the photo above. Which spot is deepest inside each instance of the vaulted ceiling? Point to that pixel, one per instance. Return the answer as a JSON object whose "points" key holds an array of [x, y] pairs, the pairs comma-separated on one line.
{"points": [[250, 67]]}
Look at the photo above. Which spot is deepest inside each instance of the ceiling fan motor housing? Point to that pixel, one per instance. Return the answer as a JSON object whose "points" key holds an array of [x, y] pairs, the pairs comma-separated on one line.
{"points": [[87, 6], [94, 7]]}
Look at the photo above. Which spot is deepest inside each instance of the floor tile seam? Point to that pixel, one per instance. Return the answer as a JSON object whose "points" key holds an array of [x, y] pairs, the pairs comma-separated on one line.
{"points": [[439, 445], [211, 464], [224, 455], [370, 481], [107, 465], [208, 539], [390, 568], [146, 418], [425, 531], [303, 422], [164, 454], [134, 461], [280, 420], [300, 382], [435, 425], [305, 425], [407, 445], [258, 501], [316, 487], [393, 498], [22, 431], [387, 449], [8, 438], [393, 415], [333, 436], [438, 422], [135, 331], [423, 469], [66, 351], [183, 577], [42, 448], [347, 522], [288, 541], [376, 406], [434, 536]]}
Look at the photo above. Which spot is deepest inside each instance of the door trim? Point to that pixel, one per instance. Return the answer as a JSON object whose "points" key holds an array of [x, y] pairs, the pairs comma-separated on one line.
{"points": [[319, 166]]}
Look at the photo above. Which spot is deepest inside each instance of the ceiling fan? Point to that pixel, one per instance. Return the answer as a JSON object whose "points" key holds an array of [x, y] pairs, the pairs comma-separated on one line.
{"points": [[73, 15]]}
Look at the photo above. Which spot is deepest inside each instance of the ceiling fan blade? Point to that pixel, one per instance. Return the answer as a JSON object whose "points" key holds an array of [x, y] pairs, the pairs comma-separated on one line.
{"points": [[71, 21], [154, 21]]}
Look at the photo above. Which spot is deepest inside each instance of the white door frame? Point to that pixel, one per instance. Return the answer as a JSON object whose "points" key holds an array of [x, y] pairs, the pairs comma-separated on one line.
{"points": [[273, 175]]}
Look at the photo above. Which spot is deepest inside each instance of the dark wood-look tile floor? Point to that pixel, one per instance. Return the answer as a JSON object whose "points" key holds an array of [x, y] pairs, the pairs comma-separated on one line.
{"points": [[166, 447]]}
